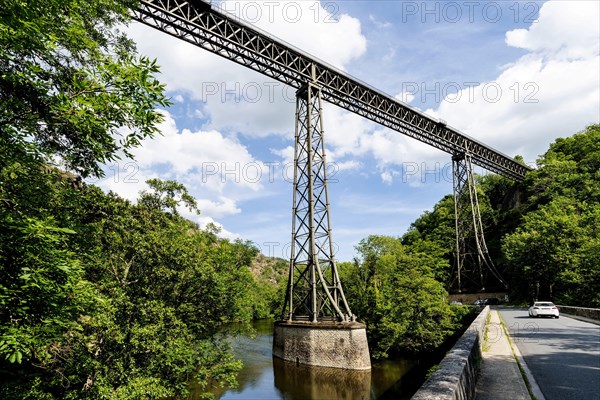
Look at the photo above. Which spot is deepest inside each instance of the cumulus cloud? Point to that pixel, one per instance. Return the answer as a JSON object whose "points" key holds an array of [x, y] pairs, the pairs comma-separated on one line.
{"points": [[565, 30], [552, 91], [217, 170], [202, 158], [241, 100], [312, 27], [345, 132], [287, 154]]}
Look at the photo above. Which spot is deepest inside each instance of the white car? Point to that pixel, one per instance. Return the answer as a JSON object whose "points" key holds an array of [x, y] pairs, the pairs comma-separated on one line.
{"points": [[543, 309]]}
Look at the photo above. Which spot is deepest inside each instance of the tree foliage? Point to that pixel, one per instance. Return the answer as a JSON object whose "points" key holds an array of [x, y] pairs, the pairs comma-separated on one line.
{"points": [[113, 299], [553, 253], [99, 297], [541, 233], [434, 233], [71, 84], [393, 288]]}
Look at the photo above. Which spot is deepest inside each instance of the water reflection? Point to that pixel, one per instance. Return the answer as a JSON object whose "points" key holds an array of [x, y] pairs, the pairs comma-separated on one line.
{"points": [[265, 377], [300, 382]]}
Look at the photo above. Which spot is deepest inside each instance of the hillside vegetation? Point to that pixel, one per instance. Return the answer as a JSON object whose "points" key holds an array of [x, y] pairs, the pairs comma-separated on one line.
{"points": [[543, 235], [100, 297]]}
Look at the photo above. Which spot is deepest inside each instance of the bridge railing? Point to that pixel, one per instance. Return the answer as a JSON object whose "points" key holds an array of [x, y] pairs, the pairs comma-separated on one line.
{"points": [[592, 313], [456, 376]]}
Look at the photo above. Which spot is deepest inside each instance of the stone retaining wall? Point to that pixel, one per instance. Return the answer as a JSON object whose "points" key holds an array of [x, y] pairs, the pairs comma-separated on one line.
{"points": [[593, 313], [457, 374]]}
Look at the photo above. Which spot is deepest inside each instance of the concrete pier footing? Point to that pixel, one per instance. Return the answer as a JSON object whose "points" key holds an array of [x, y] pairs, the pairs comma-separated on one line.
{"points": [[325, 344]]}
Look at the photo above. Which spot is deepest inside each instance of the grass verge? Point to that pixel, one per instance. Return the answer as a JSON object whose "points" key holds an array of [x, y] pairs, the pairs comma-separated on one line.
{"points": [[486, 346]]}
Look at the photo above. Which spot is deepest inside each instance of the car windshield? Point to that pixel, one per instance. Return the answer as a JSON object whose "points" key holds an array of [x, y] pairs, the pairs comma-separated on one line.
{"points": [[544, 304]]}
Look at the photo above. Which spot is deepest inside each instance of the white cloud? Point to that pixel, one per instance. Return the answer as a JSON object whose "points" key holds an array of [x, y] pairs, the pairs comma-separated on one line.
{"points": [[379, 24], [346, 166], [204, 221], [406, 97], [287, 154], [566, 29], [345, 132], [393, 148], [310, 26], [350, 137], [217, 170], [125, 179], [552, 91], [224, 206], [387, 177], [241, 100], [202, 158]]}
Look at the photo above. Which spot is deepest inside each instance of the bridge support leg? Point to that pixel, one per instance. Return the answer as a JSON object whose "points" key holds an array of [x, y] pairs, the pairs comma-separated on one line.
{"points": [[472, 259], [317, 326]]}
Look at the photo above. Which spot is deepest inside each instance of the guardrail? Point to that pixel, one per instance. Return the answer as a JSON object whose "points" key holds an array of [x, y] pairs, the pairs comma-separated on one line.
{"points": [[457, 374], [592, 313]]}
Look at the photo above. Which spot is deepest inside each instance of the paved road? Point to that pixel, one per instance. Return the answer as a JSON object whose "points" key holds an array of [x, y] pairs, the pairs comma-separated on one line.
{"points": [[562, 354]]}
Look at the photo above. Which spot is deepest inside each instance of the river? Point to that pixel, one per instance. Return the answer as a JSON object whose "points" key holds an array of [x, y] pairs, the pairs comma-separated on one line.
{"points": [[264, 377]]}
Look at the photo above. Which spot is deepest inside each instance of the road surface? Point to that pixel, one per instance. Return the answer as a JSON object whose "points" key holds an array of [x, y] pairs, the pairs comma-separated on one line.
{"points": [[562, 354]]}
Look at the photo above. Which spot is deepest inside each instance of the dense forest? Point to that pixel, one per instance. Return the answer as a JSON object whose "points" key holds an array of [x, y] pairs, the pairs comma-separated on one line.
{"points": [[543, 235], [101, 297]]}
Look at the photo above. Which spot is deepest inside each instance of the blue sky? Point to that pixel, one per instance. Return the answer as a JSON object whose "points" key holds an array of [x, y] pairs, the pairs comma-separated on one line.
{"points": [[514, 75]]}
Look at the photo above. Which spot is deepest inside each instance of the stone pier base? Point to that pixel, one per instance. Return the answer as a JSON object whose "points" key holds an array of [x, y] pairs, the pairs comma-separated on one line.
{"points": [[325, 344]]}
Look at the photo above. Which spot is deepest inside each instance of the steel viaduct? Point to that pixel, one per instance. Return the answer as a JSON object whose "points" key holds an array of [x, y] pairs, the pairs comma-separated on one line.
{"points": [[316, 309]]}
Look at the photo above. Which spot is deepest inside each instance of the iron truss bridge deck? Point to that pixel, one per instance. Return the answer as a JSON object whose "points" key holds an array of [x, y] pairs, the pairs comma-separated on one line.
{"points": [[196, 22]]}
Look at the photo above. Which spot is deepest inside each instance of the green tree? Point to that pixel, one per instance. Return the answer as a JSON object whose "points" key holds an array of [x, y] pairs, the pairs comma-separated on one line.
{"points": [[71, 84], [434, 232], [167, 196], [552, 251], [99, 298], [545, 246], [72, 90], [392, 287], [113, 299]]}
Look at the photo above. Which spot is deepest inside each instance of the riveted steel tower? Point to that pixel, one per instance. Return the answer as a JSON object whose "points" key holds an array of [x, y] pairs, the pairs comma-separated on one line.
{"points": [[314, 292], [472, 259], [317, 326]]}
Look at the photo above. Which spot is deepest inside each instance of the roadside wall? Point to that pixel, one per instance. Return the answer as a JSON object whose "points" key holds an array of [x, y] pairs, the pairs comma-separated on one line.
{"points": [[593, 313], [457, 374]]}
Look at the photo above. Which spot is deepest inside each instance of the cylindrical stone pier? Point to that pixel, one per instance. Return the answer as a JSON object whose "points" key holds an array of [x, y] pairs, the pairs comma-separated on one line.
{"points": [[325, 344]]}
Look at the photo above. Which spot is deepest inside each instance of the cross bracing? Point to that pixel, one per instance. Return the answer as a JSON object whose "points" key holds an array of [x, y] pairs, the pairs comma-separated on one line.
{"points": [[196, 22], [472, 262], [314, 292]]}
